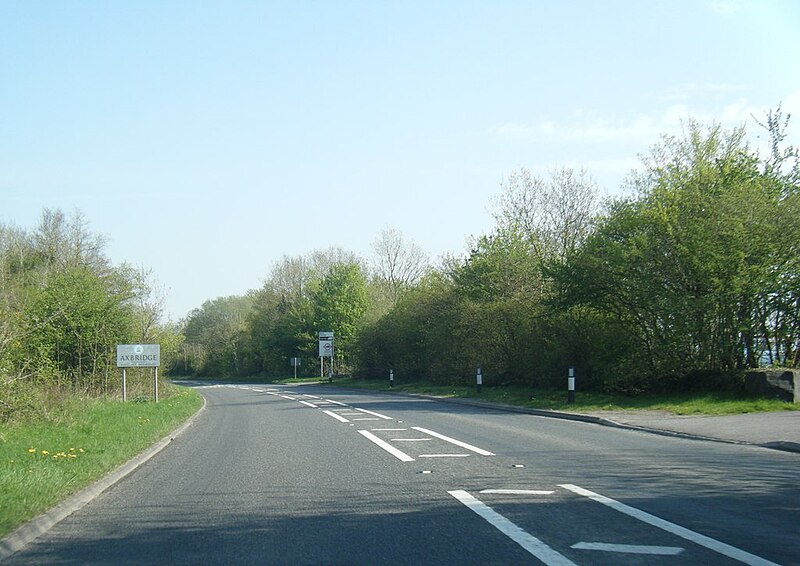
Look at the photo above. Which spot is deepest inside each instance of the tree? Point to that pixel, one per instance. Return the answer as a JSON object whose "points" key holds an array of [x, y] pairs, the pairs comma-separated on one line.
{"points": [[340, 304], [398, 262], [556, 215]]}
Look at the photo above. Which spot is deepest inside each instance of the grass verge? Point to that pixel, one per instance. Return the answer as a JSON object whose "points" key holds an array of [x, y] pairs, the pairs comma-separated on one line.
{"points": [[43, 463], [585, 402]]}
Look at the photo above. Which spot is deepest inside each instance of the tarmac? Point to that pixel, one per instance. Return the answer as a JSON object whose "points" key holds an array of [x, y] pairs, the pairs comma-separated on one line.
{"points": [[778, 430]]}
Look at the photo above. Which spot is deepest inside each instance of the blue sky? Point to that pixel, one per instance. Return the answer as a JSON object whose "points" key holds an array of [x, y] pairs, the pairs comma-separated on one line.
{"points": [[208, 139]]}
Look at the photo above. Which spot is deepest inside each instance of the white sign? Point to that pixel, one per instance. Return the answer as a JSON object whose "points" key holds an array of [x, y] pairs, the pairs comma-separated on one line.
{"points": [[326, 344], [138, 355]]}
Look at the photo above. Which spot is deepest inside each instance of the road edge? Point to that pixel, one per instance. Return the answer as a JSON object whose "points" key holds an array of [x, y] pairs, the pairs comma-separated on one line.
{"points": [[783, 446], [26, 533]]}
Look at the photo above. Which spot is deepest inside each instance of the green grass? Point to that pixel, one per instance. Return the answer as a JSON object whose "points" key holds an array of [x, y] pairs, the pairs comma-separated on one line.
{"points": [[43, 463], [585, 402]]}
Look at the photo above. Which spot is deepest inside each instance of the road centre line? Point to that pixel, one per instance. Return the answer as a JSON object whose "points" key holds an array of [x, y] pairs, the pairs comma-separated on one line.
{"points": [[526, 540], [518, 491], [629, 548], [697, 538], [443, 456], [402, 456], [335, 416], [374, 414], [475, 449]]}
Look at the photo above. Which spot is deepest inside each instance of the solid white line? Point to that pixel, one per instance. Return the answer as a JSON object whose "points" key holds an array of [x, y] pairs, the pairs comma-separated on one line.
{"points": [[410, 439], [335, 402], [390, 429], [444, 455], [335, 416], [374, 414], [386, 446], [307, 404], [367, 419], [629, 548], [287, 397], [697, 538], [517, 491], [475, 449], [526, 540], [310, 396]]}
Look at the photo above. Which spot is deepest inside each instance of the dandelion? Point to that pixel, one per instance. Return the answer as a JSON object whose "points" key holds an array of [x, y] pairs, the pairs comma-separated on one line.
{"points": [[45, 452], [32, 450]]}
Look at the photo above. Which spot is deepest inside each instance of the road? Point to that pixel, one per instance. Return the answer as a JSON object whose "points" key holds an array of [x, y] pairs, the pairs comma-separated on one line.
{"points": [[314, 475]]}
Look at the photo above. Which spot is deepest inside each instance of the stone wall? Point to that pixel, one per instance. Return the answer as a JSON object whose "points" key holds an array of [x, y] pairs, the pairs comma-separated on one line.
{"points": [[781, 384]]}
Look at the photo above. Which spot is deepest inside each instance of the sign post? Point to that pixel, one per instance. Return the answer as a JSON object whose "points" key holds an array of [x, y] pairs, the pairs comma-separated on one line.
{"points": [[326, 351], [294, 362], [139, 356]]}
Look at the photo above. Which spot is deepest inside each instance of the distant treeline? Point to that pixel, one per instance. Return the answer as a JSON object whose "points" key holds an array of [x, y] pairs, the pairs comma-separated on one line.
{"points": [[681, 285]]}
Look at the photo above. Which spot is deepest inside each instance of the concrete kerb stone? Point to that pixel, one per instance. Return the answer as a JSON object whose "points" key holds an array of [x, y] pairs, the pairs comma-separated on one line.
{"points": [[30, 531]]}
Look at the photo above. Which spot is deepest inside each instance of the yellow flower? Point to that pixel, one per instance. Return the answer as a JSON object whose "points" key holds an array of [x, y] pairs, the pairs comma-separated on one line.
{"points": [[31, 450], [45, 452]]}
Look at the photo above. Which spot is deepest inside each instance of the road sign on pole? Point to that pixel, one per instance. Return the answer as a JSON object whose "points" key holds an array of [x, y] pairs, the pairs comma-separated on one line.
{"points": [[326, 344]]}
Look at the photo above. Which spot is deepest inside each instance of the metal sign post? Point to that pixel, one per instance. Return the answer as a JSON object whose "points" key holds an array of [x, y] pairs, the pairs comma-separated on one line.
{"points": [[326, 351], [139, 356]]}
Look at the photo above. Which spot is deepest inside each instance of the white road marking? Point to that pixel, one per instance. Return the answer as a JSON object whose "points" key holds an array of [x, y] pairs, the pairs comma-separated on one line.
{"points": [[311, 396], [629, 548], [335, 416], [367, 419], [444, 455], [402, 456], [335, 402], [475, 449], [518, 491], [697, 538], [410, 439], [389, 429], [307, 404], [526, 540], [374, 414], [287, 397]]}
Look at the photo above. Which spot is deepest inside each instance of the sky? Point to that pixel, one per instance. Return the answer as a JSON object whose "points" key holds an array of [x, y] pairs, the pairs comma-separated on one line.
{"points": [[206, 140]]}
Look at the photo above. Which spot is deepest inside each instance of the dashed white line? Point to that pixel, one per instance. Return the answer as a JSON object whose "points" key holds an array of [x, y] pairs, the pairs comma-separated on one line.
{"points": [[400, 455], [443, 455], [335, 416], [629, 548], [307, 404], [475, 449], [697, 538], [526, 540], [518, 491], [374, 414]]}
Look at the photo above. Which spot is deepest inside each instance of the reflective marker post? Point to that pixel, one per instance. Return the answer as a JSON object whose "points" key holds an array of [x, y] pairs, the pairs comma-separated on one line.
{"points": [[391, 378], [571, 386], [479, 379]]}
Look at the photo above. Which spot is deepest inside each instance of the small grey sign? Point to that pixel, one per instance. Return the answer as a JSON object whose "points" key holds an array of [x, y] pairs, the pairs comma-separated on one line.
{"points": [[138, 355]]}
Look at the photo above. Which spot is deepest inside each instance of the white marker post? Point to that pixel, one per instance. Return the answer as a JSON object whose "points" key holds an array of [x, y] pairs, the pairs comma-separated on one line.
{"points": [[571, 386], [479, 379], [391, 378]]}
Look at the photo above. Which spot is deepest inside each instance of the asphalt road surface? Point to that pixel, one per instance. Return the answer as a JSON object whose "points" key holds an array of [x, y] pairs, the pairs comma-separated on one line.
{"points": [[314, 475]]}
